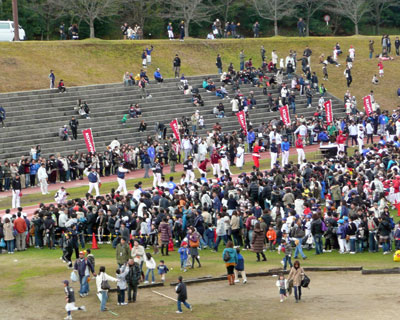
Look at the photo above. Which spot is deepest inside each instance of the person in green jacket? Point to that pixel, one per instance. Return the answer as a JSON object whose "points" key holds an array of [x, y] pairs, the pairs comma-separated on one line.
{"points": [[123, 253], [332, 130], [230, 258]]}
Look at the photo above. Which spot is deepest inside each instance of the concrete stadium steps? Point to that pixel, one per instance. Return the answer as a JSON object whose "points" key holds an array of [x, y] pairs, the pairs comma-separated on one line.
{"points": [[35, 117]]}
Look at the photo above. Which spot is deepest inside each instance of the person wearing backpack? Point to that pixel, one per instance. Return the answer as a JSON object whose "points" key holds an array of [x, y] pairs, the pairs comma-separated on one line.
{"points": [[229, 255], [296, 275]]}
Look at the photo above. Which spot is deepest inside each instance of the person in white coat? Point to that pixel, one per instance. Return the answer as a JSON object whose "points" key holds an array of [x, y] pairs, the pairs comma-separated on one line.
{"points": [[225, 164], [102, 292], [42, 177], [240, 157], [121, 171]]}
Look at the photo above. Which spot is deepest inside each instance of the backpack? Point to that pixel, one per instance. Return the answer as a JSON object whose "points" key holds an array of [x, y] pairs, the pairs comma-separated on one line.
{"points": [[227, 256], [305, 282]]}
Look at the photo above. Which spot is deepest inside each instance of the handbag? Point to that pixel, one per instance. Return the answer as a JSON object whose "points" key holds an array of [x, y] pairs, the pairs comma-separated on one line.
{"points": [[104, 284], [2, 243], [74, 277]]}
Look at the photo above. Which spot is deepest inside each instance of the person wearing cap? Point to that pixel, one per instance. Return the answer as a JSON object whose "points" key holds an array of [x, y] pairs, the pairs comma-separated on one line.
{"points": [[225, 164], [239, 156], [121, 171], [42, 177], [84, 267], [188, 168], [94, 180], [215, 163], [256, 154], [70, 299], [300, 149], [157, 173]]}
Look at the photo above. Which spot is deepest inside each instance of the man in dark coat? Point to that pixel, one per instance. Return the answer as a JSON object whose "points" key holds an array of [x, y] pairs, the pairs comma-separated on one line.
{"points": [[180, 289]]}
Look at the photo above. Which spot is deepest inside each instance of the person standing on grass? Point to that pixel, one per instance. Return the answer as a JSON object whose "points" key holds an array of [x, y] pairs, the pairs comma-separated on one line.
{"points": [[257, 242], [182, 31], [177, 65], [180, 289], [371, 48], [296, 274], [170, 31], [20, 231], [8, 235], [300, 150], [132, 279], [219, 63], [122, 252], [239, 268], [121, 171], [52, 78], [380, 67], [349, 78], [94, 180], [70, 299], [148, 54], [100, 280], [16, 191]]}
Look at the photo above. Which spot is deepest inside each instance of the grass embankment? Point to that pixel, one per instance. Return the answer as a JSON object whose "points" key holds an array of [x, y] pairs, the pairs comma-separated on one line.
{"points": [[26, 65]]}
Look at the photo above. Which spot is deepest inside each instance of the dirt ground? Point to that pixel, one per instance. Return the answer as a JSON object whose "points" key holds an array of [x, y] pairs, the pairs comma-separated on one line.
{"points": [[344, 295]]}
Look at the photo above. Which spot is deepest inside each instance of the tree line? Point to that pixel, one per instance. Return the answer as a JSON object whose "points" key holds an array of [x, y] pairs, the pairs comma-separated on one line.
{"points": [[103, 18]]}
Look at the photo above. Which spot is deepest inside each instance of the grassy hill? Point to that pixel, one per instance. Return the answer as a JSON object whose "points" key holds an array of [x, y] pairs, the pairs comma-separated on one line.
{"points": [[25, 65]]}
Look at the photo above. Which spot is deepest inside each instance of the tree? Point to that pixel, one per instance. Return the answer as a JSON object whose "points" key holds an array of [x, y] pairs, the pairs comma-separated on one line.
{"points": [[352, 9], [196, 11], [225, 6], [274, 10], [91, 10], [48, 11], [138, 11], [310, 7], [378, 6]]}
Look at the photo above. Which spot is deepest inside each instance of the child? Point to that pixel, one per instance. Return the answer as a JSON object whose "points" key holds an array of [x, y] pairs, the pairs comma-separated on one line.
{"points": [[67, 250], [201, 122], [271, 235], [150, 265], [286, 248], [70, 298], [162, 270], [90, 257], [240, 267], [184, 254], [180, 289], [281, 283], [210, 236], [124, 119], [375, 80], [380, 67], [121, 284], [397, 237]]}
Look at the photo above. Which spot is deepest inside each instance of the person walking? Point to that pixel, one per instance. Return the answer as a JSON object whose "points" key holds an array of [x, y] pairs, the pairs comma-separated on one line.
{"points": [[177, 65], [180, 289], [296, 274], [70, 299], [349, 78], [229, 255], [103, 286], [301, 156], [20, 232], [84, 267], [298, 233], [257, 242], [194, 243]]}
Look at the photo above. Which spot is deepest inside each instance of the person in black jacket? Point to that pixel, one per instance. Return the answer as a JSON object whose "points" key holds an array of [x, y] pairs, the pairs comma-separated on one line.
{"points": [[180, 289], [132, 279], [316, 231], [384, 230], [73, 124], [219, 63]]}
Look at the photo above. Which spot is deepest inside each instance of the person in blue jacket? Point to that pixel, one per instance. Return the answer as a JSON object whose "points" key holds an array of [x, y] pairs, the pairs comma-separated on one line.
{"points": [[230, 258], [157, 76], [239, 268], [148, 55]]}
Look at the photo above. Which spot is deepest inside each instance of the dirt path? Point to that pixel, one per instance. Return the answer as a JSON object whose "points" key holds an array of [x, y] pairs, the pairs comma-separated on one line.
{"points": [[345, 295]]}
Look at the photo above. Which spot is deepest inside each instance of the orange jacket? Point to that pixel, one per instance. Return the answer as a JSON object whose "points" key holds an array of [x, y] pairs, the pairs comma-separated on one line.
{"points": [[271, 235]]}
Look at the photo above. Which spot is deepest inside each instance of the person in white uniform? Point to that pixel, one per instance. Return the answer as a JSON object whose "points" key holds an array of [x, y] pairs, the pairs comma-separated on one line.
{"points": [[42, 177], [121, 171], [94, 180]]}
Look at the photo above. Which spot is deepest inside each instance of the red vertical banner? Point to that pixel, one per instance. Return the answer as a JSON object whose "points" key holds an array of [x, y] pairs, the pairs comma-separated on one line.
{"points": [[175, 129], [242, 121], [88, 136], [328, 111], [368, 105], [285, 117]]}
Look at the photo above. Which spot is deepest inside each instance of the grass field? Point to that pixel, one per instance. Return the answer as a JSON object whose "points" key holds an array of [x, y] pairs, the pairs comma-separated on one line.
{"points": [[26, 65]]}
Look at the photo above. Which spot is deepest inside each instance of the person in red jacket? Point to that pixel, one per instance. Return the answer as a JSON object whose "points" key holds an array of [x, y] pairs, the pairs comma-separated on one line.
{"points": [[256, 154], [215, 159], [21, 228], [340, 140], [203, 167], [300, 150]]}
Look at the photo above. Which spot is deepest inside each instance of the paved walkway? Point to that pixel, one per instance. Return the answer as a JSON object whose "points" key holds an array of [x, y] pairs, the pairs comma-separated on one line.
{"points": [[29, 210]]}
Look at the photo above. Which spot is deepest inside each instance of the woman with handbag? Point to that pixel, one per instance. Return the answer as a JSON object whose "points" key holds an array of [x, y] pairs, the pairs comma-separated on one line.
{"points": [[103, 286], [194, 243], [8, 229], [296, 275]]}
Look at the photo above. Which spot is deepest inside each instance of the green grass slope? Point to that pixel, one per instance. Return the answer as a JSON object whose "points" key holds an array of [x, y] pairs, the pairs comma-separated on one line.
{"points": [[25, 65]]}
